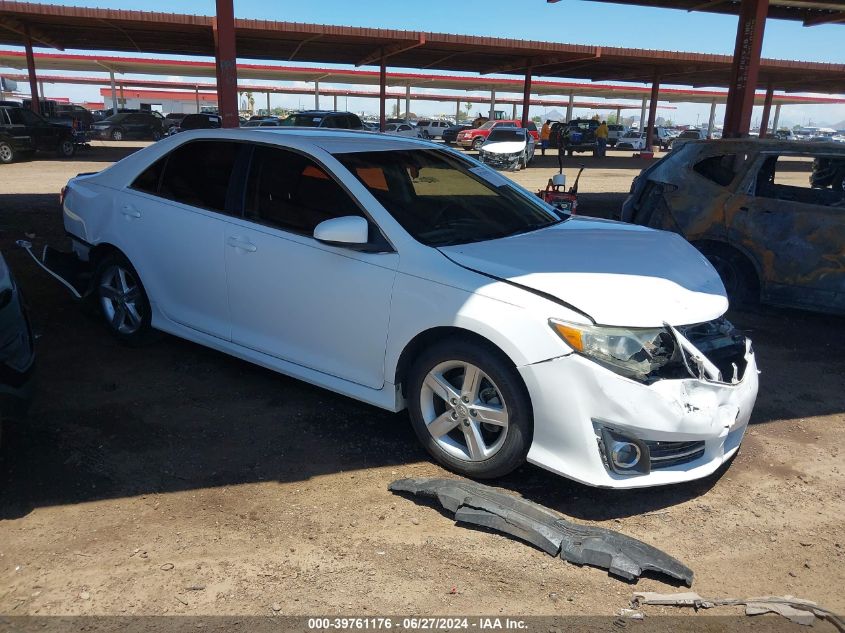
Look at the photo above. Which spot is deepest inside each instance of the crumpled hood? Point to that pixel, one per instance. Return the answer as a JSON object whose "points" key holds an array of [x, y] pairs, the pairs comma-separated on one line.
{"points": [[619, 274], [503, 147]]}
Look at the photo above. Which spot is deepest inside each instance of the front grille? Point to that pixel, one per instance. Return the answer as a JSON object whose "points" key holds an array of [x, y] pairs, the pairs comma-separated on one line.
{"points": [[666, 454]]}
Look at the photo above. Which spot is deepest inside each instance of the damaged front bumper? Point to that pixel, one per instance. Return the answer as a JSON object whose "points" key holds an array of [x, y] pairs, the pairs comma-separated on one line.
{"points": [[683, 429]]}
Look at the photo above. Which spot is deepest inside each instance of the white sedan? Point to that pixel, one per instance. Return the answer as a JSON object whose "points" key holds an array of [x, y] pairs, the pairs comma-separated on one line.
{"points": [[403, 129], [508, 148], [409, 276]]}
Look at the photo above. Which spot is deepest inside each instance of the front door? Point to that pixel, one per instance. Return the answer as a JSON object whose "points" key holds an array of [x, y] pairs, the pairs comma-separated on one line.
{"points": [[297, 299]]}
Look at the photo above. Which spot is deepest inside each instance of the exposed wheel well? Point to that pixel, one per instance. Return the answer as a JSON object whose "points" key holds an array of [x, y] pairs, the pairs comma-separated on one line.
{"points": [[101, 250], [716, 247], [434, 335]]}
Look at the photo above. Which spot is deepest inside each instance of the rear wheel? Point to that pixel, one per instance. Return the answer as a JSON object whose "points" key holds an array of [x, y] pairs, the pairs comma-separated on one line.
{"points": [[470, 409], [122, 300], [67, 148], [156, 135], [737, 273], [7, 153]]}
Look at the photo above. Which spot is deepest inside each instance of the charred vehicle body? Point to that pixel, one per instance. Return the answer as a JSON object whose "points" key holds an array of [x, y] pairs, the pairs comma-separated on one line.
{"points": [[746, 205]]}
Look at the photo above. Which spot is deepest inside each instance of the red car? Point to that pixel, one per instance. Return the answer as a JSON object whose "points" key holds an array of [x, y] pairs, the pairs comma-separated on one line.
{"points": [[472, 139]]}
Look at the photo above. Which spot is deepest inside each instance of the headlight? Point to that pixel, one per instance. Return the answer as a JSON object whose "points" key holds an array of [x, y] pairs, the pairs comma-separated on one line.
{"points": [[632, 352]]}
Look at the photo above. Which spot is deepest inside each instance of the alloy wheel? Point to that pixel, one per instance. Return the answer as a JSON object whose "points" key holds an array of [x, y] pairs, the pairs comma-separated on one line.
{"points": [[120, 298], [464, 411], [5, 153]]}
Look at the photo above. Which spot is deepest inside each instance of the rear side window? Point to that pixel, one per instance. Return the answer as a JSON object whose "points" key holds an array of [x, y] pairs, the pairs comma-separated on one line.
{"points": [[198, 174], [719, 169], [149, 180], [291, 192]]}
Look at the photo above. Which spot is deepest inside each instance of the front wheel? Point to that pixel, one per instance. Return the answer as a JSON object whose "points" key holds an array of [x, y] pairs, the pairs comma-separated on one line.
{"points": [[477, 143], [122, 300], [117, 135], [7, 153], [470, 409]]}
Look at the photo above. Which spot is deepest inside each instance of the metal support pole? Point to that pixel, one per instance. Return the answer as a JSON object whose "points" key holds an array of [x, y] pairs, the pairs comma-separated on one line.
{"points": [[316, 94], [35, 104], [570, 106], [114, 94], [767, 109], [642, 114], [712, 122], [268, 104], [457, 111], [492, 105], [777, 120], [225, 56], [382, 92], [513, 111], [526, 97], [746, 66], [335, 103], [122, 98], [407, 101], [652, 113]]}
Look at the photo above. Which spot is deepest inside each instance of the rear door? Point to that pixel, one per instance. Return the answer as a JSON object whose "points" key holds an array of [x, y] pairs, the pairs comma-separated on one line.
{"points": [[176, 213], [297, 299], [796, 233]]}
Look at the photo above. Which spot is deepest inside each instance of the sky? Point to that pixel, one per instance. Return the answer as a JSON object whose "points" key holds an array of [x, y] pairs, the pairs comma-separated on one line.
{"points": [[568, 21]]}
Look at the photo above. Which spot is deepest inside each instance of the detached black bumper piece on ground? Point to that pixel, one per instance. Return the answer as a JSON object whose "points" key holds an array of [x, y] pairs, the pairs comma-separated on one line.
{"points": [[478, 504]]}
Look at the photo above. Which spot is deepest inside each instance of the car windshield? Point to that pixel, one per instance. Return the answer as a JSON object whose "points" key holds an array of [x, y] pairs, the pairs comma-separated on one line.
{"points": [[442, 199], [690, 134], [302, 120], [504, 134], [632, 134]]}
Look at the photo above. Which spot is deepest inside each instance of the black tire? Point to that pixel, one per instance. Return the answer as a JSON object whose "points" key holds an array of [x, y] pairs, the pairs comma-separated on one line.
{"points": [[133, 335], [117, 134], [737, 273], [66, 148], [477, 142], [517, 440], [8, 154], [156, 135]]}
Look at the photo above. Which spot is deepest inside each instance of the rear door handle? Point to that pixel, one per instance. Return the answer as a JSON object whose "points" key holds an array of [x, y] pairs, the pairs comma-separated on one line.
{"points": [[243, 244], [130, 212]]}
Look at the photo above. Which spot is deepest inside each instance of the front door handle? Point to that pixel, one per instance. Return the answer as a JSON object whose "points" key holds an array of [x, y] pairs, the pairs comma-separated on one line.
{"points": [[241, 243], [130, 212]]}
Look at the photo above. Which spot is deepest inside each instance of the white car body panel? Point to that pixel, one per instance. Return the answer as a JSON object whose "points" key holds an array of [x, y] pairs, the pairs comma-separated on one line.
{"points": [[340, 319]]}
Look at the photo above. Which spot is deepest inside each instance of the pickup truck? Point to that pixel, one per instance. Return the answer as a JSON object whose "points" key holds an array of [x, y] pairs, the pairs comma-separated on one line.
{"points": [[474, 138], [579, 135], [24, 132]]}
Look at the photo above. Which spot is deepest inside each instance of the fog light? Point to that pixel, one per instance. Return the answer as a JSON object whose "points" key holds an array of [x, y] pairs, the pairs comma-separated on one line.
{"points": [[624, 455]]}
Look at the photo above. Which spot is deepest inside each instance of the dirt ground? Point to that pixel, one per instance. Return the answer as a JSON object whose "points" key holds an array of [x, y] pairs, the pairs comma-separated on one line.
{"points": [[174, 479]]}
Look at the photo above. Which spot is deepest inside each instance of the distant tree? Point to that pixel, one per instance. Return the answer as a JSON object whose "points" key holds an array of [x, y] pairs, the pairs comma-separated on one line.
{"points": [[537, 119], [468, 108]]}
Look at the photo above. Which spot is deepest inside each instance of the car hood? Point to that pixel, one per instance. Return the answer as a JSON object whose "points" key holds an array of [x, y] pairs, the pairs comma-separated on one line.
{"points": [[618, 274], [503, 147]]}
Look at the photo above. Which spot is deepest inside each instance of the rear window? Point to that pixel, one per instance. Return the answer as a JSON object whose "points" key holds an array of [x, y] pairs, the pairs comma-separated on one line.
{"points": [[303, 120]]}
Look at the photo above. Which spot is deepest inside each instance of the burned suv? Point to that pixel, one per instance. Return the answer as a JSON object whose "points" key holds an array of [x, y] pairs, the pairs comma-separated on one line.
{"points": [[768, 214]]}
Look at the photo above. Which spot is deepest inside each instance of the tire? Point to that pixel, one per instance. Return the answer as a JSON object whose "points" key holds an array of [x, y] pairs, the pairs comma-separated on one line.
{"points": [[501, 444], [7, 153], [156, 135], [477, 142], [737, 273], [122, 301], [117, 134], [67, 148]]}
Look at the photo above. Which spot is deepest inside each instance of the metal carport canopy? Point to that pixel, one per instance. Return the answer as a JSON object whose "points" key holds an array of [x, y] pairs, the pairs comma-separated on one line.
{"points": [[68, 27], [184, 68]]}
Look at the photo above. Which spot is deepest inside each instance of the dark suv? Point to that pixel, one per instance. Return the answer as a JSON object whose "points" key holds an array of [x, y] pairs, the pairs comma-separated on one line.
{"points": [[24, 132], [324, 118], [579, 135], [124, 125]]}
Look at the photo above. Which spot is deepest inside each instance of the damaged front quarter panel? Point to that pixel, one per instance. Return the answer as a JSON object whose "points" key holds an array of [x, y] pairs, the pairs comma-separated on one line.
{"points": [[481, 505]]}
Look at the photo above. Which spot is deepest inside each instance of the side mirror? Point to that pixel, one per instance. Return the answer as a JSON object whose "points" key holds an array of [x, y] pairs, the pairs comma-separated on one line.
{"points": [[349, 231]]}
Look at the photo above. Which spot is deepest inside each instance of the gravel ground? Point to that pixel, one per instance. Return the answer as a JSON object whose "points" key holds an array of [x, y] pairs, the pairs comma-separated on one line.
{"points": [[174, 479]]}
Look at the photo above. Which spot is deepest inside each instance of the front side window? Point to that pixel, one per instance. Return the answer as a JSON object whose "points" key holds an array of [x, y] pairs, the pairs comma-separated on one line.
{"points": [[23, 116], [198, 173], [291, 192], [442, 199], [504, 134]]}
